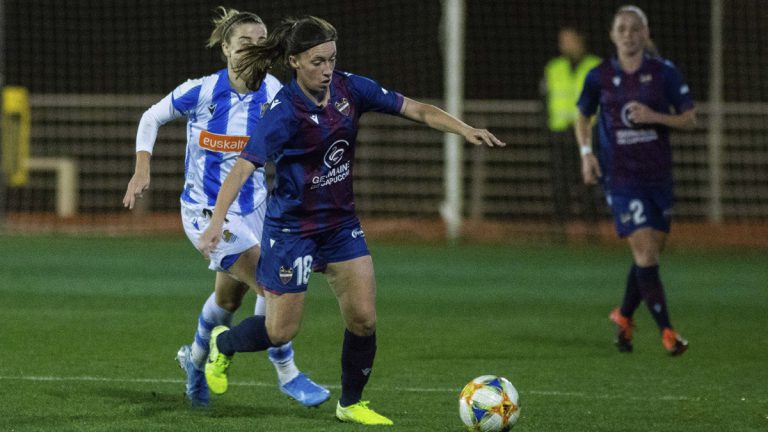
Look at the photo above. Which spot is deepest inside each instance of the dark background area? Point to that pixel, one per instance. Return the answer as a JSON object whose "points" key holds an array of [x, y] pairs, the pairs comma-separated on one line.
{"points": [[150, 46]]}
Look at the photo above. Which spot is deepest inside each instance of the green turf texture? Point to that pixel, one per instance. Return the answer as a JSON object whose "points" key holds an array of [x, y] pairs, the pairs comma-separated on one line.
{"points": [[90, 327]]}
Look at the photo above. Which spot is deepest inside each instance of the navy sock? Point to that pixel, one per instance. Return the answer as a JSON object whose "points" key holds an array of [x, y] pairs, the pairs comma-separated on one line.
{"points": [[649, 282], [356, 363], [632, 295], [248, 336]]}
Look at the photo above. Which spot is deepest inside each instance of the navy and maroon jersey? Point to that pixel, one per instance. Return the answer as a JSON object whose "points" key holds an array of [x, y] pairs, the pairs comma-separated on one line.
{"points": [[313, 149], [634, 155]]}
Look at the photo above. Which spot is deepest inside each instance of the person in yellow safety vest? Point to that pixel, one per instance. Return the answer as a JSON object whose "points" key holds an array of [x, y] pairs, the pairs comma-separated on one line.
{"points": [[561, 86]]}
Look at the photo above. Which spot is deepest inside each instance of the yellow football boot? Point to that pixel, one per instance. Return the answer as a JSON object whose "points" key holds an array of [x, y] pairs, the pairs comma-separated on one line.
{"points": [[217, 364], [360, 413]]}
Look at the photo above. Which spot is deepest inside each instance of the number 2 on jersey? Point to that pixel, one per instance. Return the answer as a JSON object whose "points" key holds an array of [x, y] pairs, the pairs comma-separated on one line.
{"points": [[636, 207]]}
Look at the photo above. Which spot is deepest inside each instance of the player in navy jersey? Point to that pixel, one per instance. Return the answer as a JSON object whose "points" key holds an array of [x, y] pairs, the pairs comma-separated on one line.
{"points": [[222, 113], [641, 97], [310, 134]]}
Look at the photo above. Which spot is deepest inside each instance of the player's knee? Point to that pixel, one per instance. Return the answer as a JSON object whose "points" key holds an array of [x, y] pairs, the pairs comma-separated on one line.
{"points": [[362, 326], [230, 304], [646, 258], [283, 334]]}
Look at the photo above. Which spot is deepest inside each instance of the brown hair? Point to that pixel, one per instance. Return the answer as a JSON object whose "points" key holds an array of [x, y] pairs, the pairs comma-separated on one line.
{"points": [[292, 36], [226, 21]]}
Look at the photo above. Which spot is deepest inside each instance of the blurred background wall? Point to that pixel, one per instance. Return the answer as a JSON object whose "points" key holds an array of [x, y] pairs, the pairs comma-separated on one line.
{"points": [[92, 67]]}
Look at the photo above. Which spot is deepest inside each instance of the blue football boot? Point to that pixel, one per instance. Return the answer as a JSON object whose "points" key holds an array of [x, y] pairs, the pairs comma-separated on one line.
{"points": [[196, 388], [305, 391]]}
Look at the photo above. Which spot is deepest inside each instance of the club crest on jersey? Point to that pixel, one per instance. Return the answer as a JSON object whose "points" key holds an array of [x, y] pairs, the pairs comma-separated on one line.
{"points": [[211, 108], [228, 236], [616, 81], [625, 218], [343, 106], [286, 274]]}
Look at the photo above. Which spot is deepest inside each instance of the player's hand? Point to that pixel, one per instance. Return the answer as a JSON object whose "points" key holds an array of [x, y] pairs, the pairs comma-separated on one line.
{"points": [[590, 169], [138, 184], [209, 239], [640, 113], [483, 136]]}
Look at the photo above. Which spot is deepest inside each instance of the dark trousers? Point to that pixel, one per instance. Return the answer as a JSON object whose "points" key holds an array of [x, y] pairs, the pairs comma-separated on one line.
{"points": [[572, 200]]}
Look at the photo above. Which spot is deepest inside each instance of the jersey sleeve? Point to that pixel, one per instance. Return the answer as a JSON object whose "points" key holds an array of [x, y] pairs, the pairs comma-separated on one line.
{"points": [[156, 116], [590, 94], [185, 97], [275, 128], [677, 90], [370, 96]]}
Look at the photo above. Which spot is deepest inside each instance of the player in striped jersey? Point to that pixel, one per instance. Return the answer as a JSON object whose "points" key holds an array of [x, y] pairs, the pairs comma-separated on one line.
{"points": [[641, 97], [310, 133], [222, 113]]}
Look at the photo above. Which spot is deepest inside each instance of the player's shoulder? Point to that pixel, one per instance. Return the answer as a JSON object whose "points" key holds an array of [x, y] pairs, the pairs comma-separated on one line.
{"points": [[282, 103], [357, 84], [273, 84], [662, 63], [601, 67], [194, 83], [353, 79]]}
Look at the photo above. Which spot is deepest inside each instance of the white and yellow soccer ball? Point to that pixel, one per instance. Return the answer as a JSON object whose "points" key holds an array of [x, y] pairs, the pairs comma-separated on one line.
{"points": [[489, 403]]}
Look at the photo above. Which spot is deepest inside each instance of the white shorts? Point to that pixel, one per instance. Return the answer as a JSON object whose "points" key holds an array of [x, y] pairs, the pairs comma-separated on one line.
{"points": [[240, 232]]}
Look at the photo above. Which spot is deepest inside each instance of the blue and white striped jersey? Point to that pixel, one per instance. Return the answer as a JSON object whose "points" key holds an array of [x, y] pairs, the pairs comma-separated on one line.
{"points": [[220, 122]]}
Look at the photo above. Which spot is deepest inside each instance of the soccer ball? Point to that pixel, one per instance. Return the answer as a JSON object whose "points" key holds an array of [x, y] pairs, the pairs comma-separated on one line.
{"points": [[489, 403]]}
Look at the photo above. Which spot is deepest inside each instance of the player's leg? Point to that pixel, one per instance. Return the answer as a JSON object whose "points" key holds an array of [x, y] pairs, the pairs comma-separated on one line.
{"points": [[217, 309], [291, 380], [253, 334], [283, 308], [620, 204], [354, 285], [646, 245], [622, 316], [282, 356]]}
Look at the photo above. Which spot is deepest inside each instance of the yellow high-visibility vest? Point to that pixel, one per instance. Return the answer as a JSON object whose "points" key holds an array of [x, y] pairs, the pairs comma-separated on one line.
{"points": [[564, 85]]}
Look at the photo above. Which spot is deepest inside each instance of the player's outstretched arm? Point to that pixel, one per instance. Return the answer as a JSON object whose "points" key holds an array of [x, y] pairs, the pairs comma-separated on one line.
{"points": [[241, 171], [140, 180], [438, 119]]}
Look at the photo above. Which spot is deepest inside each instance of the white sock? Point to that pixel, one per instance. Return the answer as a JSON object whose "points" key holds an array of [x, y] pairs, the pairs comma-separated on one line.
{"points": [[282, 356], [261, 306], [211, 316]]}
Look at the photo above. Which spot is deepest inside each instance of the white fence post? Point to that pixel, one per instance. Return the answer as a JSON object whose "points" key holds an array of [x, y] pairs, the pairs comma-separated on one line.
{"points": [[715, 120], [453, 72]]}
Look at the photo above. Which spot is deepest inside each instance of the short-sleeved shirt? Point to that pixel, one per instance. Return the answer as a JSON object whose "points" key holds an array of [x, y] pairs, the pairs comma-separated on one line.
{"points": [[220, 122], [313, 149], [633, 155]]}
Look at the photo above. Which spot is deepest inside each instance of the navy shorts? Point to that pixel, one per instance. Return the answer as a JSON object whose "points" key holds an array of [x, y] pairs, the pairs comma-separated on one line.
{"points": [[635, 208], [287, 259]]}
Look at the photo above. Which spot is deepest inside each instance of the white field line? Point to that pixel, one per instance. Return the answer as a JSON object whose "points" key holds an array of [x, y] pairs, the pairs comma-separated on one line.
{"points": [[553, 393]]}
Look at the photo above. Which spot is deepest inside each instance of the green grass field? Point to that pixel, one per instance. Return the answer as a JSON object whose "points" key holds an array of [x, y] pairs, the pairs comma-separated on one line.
{"points": [[91, 326]]}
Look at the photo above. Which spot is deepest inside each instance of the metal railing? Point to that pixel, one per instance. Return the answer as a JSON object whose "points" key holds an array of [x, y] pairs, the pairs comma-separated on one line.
{"points": [[399, 164]]}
